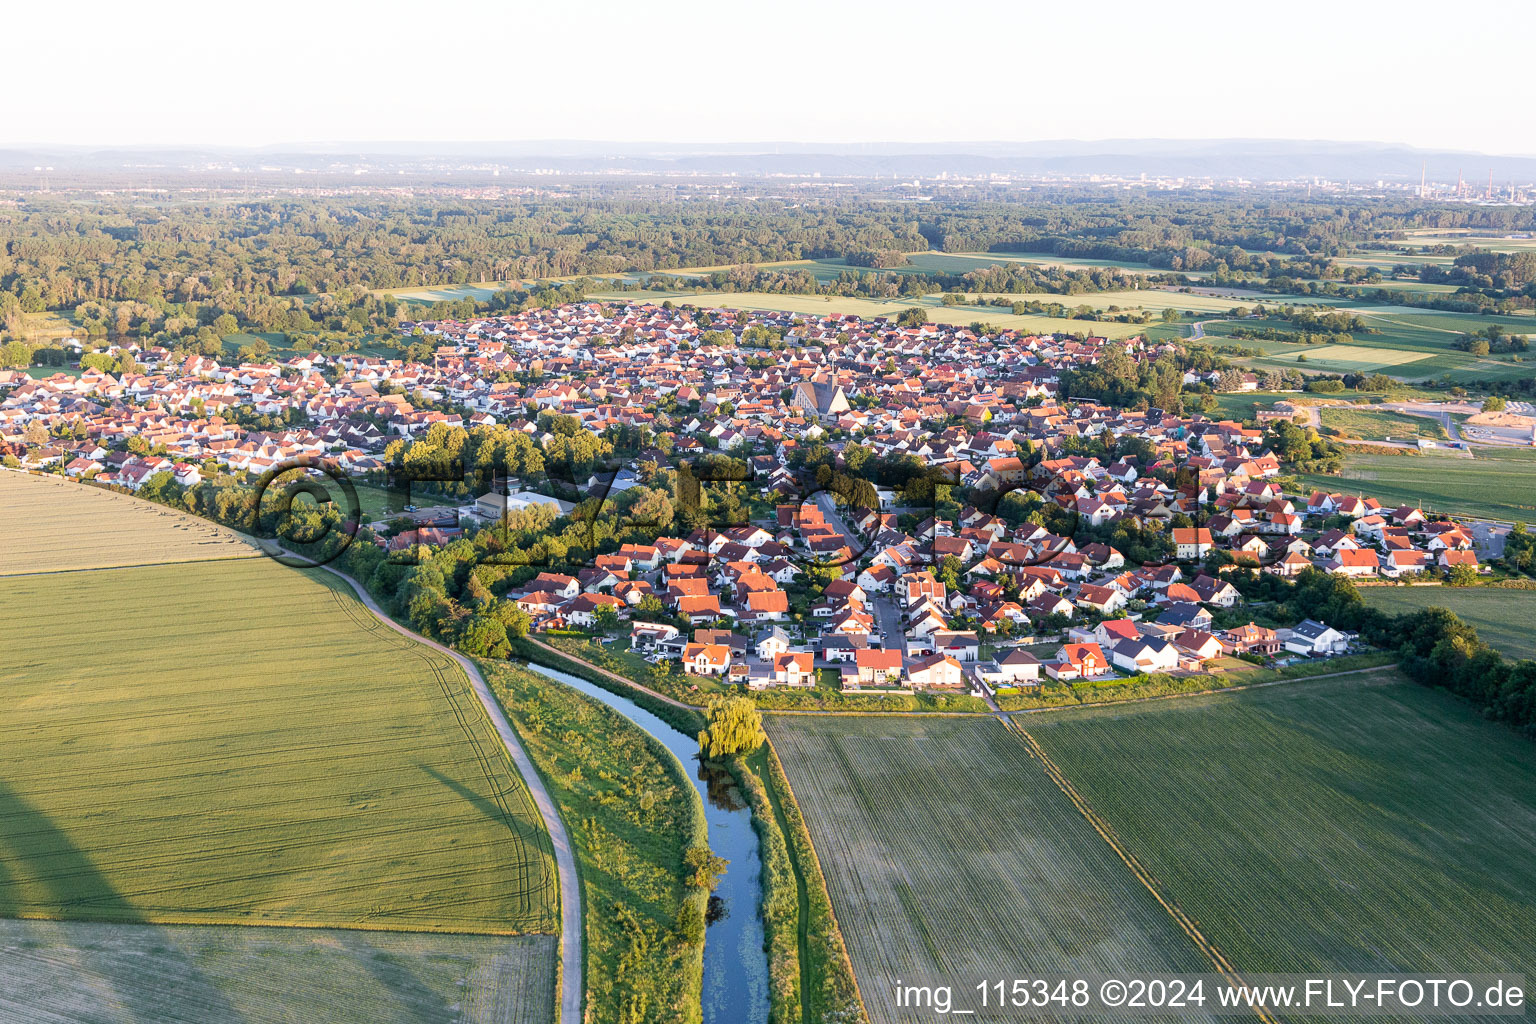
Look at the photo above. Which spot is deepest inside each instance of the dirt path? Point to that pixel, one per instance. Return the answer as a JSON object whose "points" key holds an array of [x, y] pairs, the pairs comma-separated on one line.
{"points": [[571, 987]]}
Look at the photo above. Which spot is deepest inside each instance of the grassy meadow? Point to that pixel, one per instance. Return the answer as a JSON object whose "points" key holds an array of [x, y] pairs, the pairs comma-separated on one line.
{"points": [[180, 974], [1367, 424], [236, 742], [1503, 617], [54, 525], [1494, 485], [1413, 345], [950, 855], [1360, 824]]}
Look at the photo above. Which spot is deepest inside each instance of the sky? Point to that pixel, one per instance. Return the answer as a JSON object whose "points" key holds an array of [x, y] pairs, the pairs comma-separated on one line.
{"points": [[168, 72]]}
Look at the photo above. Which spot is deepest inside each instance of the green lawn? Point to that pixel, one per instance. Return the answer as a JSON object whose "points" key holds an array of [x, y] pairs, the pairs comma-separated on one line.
{"points": [[1501, 486], [1503, 617], [236, 742], [1361, 824]]}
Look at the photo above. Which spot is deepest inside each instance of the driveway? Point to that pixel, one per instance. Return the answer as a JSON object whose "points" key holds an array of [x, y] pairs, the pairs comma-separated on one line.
{"points": [[888, 619]]}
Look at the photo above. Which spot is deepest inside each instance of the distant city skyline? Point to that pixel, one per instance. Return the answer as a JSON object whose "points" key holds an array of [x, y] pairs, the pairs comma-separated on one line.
{"points": [[176, 73]]}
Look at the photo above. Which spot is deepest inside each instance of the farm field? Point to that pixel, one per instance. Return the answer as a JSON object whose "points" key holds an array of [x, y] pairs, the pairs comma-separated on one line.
{"points": [[181, 974], [236, 743], [1366, 424], [1503, 617], [1363, 823], [1488, 486], [1154, 299], [949, 854], [830, 305], [1414, 345], [54, 525]]}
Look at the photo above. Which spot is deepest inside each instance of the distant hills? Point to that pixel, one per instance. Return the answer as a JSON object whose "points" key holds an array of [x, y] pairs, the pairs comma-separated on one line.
{"points": [[1223, 159]]}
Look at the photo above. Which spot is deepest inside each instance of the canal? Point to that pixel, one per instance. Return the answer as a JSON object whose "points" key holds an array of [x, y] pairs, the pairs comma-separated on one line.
{"points": [[735, 963]]}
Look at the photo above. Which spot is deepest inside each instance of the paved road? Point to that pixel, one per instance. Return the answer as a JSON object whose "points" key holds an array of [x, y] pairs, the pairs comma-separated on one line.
{"points": [[571, 988], [829, 513]]}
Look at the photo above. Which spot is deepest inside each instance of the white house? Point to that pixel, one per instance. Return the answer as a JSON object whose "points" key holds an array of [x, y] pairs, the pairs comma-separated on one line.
{"points": [[1144, 655], [1315, 638]]}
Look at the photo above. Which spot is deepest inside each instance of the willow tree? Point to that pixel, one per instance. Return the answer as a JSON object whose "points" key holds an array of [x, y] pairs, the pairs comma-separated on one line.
{"points": [[733, 725]]}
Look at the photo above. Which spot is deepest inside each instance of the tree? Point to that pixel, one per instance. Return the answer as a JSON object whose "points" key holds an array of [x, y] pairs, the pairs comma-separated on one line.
{"points": [[733, 725], [1495, 403], [607, 619], [1462, 576]]}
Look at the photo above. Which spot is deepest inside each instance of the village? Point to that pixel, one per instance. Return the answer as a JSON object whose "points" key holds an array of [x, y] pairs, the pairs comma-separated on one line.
{"points": [[870, 592]]}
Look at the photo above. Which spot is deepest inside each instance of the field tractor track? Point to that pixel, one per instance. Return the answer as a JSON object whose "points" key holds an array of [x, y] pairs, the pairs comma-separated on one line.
{"points": [[1145, 877]]}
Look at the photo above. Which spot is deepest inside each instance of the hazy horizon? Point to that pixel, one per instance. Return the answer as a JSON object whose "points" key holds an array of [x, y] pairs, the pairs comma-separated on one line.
{"points": [[855, 72]]}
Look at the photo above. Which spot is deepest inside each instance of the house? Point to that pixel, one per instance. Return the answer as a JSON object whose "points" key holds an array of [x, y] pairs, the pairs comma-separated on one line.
{"points": [[733, 642], [771, 643], [935, 672], [877, 579], [1198, 644], [1353, 562], [1019, 667], [1104, 600], [699, 608], [1078, 661], [1399, 563], [1111, 631], [557, 583], [645, 636], [706, 659], [1314, 638], [1218, 593], [1252, 639], [962, 646], [841, 647], [1192, 544], [1448, 560], [583, 610], [794, 670], [768, 604], [1144, 654], [1188, 616], [875, 666]]}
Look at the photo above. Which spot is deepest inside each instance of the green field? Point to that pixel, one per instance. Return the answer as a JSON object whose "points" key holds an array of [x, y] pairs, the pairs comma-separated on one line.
{"points": [[830, 305], [52, 524], [950, 855], [181, 974], [1366, 424], [1359, 824], [1491, 486], [1503, 617], [236, 742], [1412, 344]]}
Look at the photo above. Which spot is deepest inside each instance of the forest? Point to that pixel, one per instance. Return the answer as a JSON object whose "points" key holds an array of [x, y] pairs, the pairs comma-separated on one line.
{"points": [[180, 267]]}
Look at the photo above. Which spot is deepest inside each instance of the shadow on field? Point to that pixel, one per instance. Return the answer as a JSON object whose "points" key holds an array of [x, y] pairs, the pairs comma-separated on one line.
{"points": [[34, 847], [490, 808], [411, 996]]}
